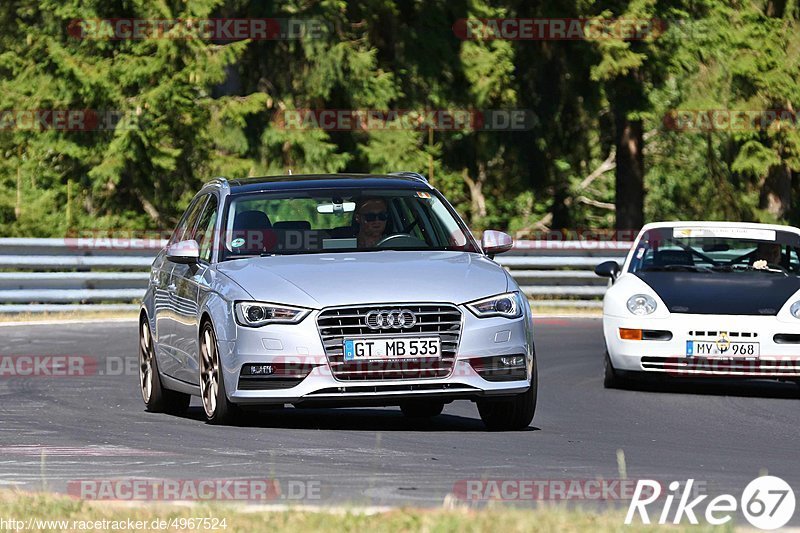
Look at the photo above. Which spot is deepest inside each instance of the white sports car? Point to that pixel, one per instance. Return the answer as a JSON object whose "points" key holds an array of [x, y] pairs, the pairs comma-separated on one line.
{"points": [[704, 299]]}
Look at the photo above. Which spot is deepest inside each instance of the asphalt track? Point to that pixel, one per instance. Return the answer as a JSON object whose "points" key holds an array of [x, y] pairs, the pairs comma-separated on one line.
{"points": [[57, 429]]}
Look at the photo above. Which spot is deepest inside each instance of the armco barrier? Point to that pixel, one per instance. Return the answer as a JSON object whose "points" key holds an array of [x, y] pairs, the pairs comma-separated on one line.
{"points": [[51, 275]]}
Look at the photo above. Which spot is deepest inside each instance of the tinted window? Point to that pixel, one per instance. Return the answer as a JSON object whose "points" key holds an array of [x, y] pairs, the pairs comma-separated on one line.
{"points": [[189, 220], [204, 234], [724, 249], [325, 221]]}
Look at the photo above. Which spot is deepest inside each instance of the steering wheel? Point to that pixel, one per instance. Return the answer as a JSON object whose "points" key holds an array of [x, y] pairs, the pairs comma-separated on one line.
{"points": [[776, 266], [398, 238]]}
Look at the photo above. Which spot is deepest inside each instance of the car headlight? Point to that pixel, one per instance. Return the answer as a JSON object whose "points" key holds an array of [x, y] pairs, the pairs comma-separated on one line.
{"points": [[795, 309], [641, 304], [256, 314], [508, 305]]}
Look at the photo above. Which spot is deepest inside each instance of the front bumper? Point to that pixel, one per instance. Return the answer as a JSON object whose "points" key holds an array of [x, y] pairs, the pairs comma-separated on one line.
{"points": [[669, 357], [298, 348]]}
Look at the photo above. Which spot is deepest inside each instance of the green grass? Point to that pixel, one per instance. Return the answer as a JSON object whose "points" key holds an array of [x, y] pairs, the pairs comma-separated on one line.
{"points": [[23, 506]]}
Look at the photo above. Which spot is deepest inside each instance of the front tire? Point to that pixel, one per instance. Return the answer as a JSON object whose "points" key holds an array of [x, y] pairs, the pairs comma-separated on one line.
{"points": [[156, 398], [611, 379], [513, 413], [421, 408], [217, 408]]}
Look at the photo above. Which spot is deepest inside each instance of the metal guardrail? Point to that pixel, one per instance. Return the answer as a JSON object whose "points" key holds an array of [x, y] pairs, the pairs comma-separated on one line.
{"points": [[51, 275]]}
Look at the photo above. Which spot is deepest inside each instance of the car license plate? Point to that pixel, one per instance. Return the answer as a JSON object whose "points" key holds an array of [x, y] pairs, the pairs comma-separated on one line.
{"points": [[391, 348], [726, 349]]}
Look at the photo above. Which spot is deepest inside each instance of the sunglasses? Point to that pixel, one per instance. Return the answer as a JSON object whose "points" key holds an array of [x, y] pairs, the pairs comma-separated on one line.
{"points": [[383, 216]]}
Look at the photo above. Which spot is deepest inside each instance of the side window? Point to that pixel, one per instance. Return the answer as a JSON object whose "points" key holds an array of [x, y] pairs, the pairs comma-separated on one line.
{"points": [[189, 220], [204, 235], [794, 259]]}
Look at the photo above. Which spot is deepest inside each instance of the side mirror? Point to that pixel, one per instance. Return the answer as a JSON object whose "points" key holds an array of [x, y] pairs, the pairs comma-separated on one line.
{"points": [[184, 252], [607, 269], [496, 242]]}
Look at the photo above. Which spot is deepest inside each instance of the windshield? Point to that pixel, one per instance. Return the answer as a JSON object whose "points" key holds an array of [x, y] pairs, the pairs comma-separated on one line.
{"points": [[724, 249], [325, 221]]}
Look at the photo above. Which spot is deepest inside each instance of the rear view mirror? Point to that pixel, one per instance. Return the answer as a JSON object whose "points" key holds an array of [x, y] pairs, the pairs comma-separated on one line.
{"points": [[607, 269], [345, 207], [184, 252], [496, 242], [716, 247]]}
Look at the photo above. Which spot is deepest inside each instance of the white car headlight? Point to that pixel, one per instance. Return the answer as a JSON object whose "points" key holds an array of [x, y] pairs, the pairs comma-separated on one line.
{"points": [[256, 314], [508, 305], [641, 304], [795, 309]]}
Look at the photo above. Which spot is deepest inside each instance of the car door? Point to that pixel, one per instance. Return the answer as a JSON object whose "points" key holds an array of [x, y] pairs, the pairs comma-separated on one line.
{"points": [[187, 281], [170, 311]]}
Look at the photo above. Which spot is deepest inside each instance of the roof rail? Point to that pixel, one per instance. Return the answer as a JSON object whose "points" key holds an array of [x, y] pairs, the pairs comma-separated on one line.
{"points": [[222, 181], [406, 174]]}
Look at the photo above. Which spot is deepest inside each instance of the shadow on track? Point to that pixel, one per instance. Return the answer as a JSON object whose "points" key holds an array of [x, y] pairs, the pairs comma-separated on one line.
{"points": [[350, 419], [716, 387]]}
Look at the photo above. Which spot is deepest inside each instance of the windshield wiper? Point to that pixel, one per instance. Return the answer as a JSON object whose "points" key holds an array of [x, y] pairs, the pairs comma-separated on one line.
{"points": [[676, 268], [747, 268]]}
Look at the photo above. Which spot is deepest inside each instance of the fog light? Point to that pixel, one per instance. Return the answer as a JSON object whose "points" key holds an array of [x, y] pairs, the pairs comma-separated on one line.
{"points": [[512, 361], [501, 367], [630, 334], [262, 370]]}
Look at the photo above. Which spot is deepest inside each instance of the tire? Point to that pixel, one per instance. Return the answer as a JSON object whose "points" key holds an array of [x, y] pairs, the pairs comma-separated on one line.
{"points": [[217, 408], [511, 413], [611, 380], [422, 408], [157, 399]]}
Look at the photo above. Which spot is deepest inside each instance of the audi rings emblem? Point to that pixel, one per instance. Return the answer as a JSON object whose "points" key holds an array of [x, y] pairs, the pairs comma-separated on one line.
{"points": [[391, 319]]}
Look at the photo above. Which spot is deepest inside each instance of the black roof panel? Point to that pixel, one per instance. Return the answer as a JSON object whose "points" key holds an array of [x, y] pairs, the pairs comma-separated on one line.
{"points": [[325, 181]]}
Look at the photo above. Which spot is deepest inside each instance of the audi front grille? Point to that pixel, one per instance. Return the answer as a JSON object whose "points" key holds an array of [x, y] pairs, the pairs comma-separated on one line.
{"points": [[337, 324]]}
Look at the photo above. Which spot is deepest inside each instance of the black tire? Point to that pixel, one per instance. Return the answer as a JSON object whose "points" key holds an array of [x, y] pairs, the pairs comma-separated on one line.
{"points": [[611, 380], [422, 408], [511, 413], [217, 408], [157, 399]]}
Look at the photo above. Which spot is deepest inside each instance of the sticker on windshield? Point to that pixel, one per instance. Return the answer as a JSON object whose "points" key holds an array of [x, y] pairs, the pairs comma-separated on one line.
{"points": [[425, 195], [236, 243], [730, 233]]}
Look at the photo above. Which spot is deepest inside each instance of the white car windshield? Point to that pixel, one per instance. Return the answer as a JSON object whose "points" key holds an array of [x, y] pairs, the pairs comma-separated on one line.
{"points": [[347, 220], [723, 249]]}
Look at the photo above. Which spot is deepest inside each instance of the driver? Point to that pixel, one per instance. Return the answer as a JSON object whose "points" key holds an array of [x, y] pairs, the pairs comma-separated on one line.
{"points": [[371, 216], [767, 253]]}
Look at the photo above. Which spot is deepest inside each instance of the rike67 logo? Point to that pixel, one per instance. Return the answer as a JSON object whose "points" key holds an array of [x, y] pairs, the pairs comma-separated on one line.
{"points": [[767, 502]]}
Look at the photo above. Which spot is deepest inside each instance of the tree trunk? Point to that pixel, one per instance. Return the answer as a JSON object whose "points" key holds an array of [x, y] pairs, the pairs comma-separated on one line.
{"points": [[476, 192], [776, 193], [628, 136]]}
